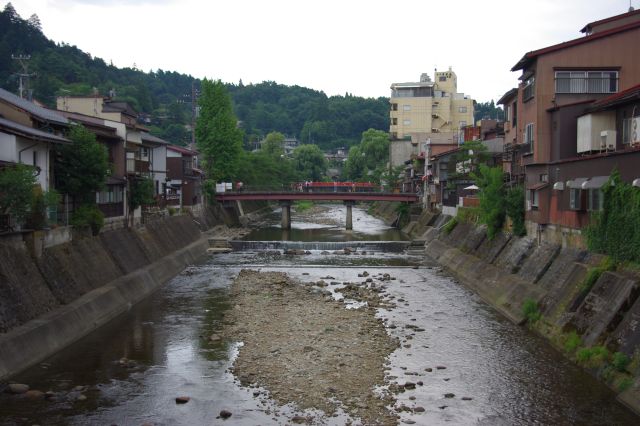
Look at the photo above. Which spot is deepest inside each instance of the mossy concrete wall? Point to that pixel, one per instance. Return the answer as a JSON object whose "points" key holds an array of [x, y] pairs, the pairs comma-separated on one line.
{"points": [[47, 303], [507, 271]]}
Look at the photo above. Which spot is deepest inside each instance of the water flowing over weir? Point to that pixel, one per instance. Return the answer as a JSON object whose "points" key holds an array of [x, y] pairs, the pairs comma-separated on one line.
{"points": [[368, 246], [475, 367]]}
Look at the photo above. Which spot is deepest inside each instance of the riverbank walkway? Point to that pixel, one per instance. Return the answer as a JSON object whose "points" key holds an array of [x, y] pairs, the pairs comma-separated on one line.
{"points": [[286, 198]]}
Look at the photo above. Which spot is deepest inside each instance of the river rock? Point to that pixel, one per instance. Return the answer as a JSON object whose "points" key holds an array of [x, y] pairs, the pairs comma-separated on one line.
{"points": [[18, 388], [419, 410], [441, 367], [81, 398], [182, 399], [410, 385], [34, 394], [225, 414], [466, 398], [215, 338], [298, 419], [449, 395]]}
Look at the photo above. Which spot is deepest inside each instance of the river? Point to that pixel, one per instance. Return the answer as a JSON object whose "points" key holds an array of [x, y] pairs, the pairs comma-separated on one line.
{"points": [[130, 371]]}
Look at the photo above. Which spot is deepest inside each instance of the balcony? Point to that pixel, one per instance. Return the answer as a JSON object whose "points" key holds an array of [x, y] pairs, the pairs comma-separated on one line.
{"points": [[138, 167]]}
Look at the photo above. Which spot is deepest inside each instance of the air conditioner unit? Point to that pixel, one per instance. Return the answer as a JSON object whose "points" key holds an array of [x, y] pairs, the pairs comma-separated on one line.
{"points": [[608, 139], [635, 131]]}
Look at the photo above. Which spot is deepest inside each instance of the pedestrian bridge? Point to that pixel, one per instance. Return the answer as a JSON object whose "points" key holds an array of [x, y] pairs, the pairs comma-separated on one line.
{"points": [[285, 198]]}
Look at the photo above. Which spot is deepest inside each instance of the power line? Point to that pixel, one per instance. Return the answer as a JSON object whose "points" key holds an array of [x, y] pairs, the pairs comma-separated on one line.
{"points": [[24, 76]]}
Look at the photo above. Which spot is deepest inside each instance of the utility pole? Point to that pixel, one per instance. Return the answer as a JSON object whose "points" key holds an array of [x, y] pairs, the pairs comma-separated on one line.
{"points": [[194, 105], [24, 76]]}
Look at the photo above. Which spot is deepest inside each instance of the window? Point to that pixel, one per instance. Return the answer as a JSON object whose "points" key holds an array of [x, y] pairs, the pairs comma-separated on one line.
{"points": [[528, 133], [544, 177], [534, 199], [462, 110], [394, 107], [630, 130], [462, 124], [35, 158], [394, 121], [586, 81], [514, 117], [575, 199], [406, 107], [442, 78], [529, 88], [595, 199], [113, 194], [406, 122]]}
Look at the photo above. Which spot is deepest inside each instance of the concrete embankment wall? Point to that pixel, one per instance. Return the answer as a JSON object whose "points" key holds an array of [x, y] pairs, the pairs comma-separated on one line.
{"points": [[49, 302], [508, 270]]}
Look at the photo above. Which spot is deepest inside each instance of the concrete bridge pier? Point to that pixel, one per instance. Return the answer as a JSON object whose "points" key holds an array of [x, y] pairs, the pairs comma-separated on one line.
{"points": [[349, 221], [286, 214]]}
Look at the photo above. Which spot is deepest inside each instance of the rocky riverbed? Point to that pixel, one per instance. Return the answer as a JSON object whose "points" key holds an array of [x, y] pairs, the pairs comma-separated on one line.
{"points": [[305, 348]]}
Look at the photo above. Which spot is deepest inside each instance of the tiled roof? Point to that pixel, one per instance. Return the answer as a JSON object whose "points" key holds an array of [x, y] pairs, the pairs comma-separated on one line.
{"points": [[181, 150], [148, 137], [587, 28], [631, 93], [29, 132], [528, 57], [43, 114]]}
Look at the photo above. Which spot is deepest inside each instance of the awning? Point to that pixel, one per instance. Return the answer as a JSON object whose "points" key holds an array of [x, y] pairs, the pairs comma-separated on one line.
{"points": [[537, 186], [576, 183], [472, 187], [595, 182]]}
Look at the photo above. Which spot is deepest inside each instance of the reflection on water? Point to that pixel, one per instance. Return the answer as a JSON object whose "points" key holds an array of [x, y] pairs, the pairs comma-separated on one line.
{"points": [[135, 367]]}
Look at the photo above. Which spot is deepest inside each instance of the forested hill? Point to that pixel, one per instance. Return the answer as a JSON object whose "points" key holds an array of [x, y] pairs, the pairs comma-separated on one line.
{"points": [[164, 96]]}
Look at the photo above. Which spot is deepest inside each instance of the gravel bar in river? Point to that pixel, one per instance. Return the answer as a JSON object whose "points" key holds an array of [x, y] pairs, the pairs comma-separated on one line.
{"points": [[307, 349]]}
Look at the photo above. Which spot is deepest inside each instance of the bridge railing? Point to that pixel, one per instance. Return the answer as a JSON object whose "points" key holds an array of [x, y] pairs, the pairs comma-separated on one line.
{"points": [[312, 187]]}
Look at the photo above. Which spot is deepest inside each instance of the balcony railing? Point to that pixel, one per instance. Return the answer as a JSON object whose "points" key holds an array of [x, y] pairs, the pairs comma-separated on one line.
{"points": [[136, 166]]}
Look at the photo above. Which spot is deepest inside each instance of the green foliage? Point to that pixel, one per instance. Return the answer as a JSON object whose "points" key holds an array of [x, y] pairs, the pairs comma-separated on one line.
{"points": [[487, 110], [403, 214], [620, 361], [16, 191], [273, 145], [615, 230], [450, 225], [531, 311], [468, 214], [471, 155], [172, 210], [594, 357], [218, 137], [259, 170], [303, 205], [37, 215], [492, 198], [82, 166], [572, 343], [310, 162], [367, 160], [624, 384], [514, 204], [594, 273], [88, 215], [140, 193]]}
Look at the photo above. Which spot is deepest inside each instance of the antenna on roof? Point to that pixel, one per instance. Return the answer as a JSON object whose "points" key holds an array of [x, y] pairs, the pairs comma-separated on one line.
{"points": [[631, 9]]}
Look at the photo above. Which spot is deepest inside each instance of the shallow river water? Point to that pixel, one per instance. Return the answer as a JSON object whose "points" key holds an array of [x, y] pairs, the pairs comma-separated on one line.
{"points": [[130, 371]]}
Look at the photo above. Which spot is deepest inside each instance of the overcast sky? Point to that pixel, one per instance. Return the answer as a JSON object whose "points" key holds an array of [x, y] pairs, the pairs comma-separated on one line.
{"points": [[337, 46]]}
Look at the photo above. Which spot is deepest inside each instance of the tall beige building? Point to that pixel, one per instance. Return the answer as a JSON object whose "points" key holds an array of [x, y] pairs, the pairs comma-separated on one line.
{"points": [[429, 106]]}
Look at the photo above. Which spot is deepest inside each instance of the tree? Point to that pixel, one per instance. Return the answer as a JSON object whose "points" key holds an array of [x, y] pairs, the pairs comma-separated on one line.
{"points": [[273, 144], [467, 160], [140, 194], [310, 162], [34, 22], [492, 198], [82, 166], [218, 137], [368, 159], [16, 191]]}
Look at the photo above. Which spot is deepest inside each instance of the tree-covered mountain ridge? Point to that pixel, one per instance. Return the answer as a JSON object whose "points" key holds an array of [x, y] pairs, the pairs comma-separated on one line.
{"points": [[164, 97]]}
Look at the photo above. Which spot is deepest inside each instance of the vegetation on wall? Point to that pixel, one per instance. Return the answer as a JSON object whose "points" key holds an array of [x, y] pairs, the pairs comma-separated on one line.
{"points": [[16, 191], [615, 230], [514, 204], [492, 199]]}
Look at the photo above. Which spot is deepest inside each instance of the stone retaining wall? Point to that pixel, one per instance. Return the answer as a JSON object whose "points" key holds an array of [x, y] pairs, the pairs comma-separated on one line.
{"points": [[507, 271], [48, 302]]}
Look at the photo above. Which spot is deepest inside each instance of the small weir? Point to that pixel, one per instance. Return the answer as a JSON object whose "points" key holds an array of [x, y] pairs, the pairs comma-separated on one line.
{"points": [[378, 246]]}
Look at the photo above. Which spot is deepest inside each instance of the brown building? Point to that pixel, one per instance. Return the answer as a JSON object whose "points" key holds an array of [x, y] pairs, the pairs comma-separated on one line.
{"points": [[558, 86], [183, 178]]}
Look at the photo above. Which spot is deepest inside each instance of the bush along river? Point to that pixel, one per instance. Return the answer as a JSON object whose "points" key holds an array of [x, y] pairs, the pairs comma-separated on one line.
{"points": [[345, 328]]}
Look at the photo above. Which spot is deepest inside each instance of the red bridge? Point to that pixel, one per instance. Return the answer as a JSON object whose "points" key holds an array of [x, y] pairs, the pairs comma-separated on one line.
{"points": [[330, 193]]}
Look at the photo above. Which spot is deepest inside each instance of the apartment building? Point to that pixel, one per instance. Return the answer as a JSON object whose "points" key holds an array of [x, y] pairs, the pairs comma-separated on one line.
{"points": [[429, 106]]}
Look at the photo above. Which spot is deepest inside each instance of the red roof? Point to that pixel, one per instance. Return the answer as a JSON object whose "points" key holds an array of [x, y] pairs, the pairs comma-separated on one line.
{"points": [[627, 94], [528, 57]]}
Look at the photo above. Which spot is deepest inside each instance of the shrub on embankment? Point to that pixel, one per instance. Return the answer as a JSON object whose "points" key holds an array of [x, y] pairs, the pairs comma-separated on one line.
{"points": [[615, 230]]}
